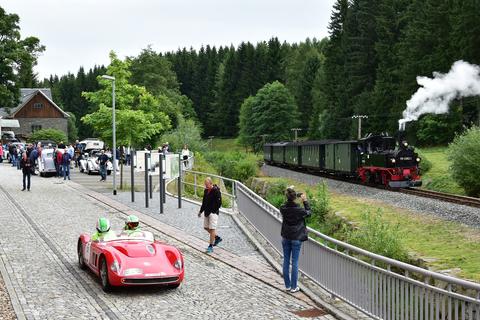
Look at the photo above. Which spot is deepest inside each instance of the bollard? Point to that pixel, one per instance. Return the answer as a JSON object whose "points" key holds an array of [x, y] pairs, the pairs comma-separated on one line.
{"points": [[160, 183], [179, 182], [146, 179], [150, 185], [132, 174]]}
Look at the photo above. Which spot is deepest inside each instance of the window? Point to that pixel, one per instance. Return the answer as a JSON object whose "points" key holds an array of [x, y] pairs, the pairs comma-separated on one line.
{"points": [[36, 127], [38, 105]]}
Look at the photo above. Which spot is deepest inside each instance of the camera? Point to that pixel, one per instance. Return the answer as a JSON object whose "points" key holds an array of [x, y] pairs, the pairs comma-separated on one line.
{"points": [[299, 194]]}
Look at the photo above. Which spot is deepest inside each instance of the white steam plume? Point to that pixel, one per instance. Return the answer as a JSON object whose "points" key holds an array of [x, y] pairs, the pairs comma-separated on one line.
{"points": [[435, 94]]}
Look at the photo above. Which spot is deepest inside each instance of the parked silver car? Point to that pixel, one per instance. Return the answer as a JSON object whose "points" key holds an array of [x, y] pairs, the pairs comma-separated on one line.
{"points": [[46, 164]]}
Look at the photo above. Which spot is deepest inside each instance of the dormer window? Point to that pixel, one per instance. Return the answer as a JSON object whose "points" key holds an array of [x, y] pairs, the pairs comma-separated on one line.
{"points": [[38, 105]]}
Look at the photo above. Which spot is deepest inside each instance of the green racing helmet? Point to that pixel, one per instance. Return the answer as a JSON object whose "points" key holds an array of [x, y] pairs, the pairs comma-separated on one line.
{"points": [[132, 222], [103, 225]]}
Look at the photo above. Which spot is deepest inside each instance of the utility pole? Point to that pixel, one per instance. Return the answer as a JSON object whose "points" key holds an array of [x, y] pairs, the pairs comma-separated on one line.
{"points": [[359, 117], [264, 136], [210, 140], [296, 132]]}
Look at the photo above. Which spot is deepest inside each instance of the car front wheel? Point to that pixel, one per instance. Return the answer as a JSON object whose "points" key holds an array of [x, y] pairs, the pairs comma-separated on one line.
{"points": [[104, 275]]}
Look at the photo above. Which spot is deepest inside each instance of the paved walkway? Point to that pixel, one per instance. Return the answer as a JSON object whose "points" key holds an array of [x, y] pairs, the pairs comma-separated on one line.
{"points": [[38, 253]]}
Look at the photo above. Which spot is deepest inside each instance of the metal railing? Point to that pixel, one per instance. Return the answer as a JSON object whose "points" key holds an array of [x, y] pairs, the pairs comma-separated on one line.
{"points": [[380, 287], [225, 184]]}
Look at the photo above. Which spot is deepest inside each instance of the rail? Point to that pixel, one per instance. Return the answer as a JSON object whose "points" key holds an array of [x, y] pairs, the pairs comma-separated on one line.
{"points": [[226, 184], [463, 200]]}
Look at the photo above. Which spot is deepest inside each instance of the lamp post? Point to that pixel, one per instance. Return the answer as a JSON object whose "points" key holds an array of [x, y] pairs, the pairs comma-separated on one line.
{"points": [[296, 132], [114, 147]]}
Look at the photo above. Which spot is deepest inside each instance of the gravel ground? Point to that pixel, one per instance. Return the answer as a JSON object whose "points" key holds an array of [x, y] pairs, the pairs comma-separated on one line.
{"points": [[6, 309], [469, 216]]}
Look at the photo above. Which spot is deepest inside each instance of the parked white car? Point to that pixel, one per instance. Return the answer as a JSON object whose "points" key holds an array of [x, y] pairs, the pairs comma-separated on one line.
{"points": [[46, 164], [89, 163]]}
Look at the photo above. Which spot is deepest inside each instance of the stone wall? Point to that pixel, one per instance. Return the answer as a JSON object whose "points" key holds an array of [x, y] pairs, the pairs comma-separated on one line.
{"points": [[47, 123]]}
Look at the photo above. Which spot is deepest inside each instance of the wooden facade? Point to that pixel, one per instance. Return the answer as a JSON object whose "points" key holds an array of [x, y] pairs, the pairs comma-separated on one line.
{"points": [[38, 107]]}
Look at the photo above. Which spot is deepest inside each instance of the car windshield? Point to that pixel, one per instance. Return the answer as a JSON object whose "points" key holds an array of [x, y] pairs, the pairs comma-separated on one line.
{"points": [[131, 236]]}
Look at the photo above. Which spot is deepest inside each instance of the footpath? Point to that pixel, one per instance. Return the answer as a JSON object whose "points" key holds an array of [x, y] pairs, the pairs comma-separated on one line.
{"points": [[38, 261]]}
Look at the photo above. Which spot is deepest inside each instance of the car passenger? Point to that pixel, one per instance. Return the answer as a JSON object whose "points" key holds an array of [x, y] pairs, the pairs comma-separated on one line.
{"points": [[131, 225], [103, 230]]}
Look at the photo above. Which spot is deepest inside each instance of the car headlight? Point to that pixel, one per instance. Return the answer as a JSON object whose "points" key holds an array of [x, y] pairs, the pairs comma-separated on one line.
{"points": [[115, 266], [419, 159], [393, 160], [178, 264]]}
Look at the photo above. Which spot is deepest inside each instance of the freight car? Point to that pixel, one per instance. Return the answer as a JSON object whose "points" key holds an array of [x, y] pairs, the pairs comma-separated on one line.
{"points": [[375, 159]]}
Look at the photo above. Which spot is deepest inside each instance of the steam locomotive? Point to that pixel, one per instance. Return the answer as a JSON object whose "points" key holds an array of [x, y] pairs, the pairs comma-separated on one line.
{"points": [[374, 159]]}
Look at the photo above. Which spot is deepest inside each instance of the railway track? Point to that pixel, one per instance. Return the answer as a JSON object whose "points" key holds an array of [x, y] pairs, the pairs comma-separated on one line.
{"points": [[466, 201], [463, 200]]}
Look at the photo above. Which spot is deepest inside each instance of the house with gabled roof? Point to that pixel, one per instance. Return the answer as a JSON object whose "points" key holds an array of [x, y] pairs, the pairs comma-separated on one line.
{"points": [[36, 111]]}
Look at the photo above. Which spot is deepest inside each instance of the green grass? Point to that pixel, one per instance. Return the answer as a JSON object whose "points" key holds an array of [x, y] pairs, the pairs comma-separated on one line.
{"points": [[440, 244], [222, 145], [438, 178]]}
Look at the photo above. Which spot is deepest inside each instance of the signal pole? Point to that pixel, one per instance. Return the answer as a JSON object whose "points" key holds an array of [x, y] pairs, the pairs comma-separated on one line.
{"points": [[359, 117], [296, 132]]}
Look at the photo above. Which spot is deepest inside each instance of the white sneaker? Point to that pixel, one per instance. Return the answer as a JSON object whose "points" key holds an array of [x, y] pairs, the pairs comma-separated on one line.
{"points": [[295, 290], [288, 289]]}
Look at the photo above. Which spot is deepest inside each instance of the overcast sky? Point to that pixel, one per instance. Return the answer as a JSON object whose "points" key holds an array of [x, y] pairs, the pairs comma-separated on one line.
{"points": [[82, 32]]}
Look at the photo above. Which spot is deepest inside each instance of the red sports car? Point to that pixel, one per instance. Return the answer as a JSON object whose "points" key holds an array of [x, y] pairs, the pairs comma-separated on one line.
{"points": [[131, 260]]}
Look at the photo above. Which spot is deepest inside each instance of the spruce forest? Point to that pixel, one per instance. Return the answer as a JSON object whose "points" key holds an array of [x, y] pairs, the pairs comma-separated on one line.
{"points": [[367, 66]]}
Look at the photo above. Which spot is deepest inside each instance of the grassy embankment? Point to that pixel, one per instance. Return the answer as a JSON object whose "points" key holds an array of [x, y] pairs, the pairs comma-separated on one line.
{"points": [[438, 178]]}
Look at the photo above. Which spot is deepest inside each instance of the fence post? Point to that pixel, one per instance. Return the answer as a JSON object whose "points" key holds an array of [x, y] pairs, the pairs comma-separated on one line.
{"points": [[234, 184], [160, 181], [179, 181], [195, 184], [132, 175], [146, 178]]}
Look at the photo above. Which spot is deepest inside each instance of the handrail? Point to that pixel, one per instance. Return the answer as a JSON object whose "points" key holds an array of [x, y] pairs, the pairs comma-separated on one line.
{"points": [[210, 175]]}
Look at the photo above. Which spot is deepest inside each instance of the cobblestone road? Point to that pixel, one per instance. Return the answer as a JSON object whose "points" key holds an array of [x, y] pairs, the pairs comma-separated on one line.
{"points": [[38, 248]]}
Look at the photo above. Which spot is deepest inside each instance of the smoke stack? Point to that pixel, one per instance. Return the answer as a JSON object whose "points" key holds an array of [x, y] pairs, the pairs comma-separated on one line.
{"points": [[435, 94]]}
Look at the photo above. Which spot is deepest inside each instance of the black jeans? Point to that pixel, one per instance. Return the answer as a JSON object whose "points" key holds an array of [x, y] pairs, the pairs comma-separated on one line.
{"points": [[26, 175]]}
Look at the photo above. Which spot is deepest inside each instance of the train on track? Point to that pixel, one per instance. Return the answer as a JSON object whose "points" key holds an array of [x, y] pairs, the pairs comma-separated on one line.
{"points": [[375, 159]]}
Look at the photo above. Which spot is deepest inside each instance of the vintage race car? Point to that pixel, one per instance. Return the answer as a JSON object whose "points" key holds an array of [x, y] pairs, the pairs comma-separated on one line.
{"points": [[131, 260], [89, 163]]}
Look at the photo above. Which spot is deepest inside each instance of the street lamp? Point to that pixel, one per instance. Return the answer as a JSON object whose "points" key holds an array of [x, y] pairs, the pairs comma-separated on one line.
{"points": [[114, 134]]}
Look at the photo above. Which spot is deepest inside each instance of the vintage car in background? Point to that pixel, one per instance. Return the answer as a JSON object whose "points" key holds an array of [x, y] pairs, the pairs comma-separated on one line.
{"points": [[46, 162], [89, 162], [91, 144], [131, 260], [6, 153]]}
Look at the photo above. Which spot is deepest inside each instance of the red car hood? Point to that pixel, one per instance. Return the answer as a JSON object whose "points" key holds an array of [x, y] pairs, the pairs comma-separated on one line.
{"points": [[134, 249]]}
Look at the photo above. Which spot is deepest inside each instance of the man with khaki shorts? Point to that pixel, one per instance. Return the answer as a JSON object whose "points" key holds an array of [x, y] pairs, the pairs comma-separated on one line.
{"points": [[211, 203]]}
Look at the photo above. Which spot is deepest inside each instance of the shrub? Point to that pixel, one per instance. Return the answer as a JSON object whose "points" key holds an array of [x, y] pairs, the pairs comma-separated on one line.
{"points": [[378, 236], [48, 134], [425, 164], [464, 155], [235, 165], [187, 132], [276, 200], [319, 202]]}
